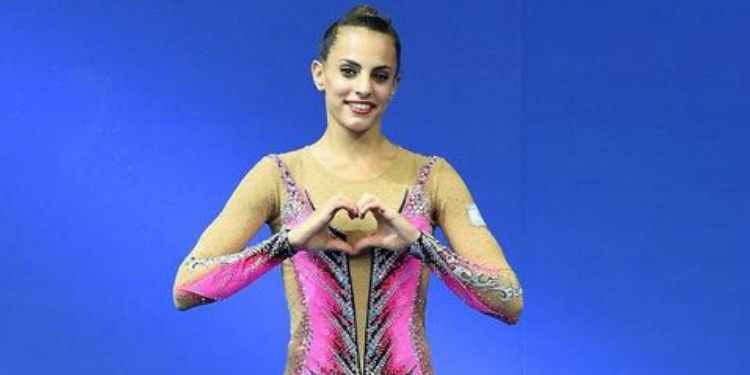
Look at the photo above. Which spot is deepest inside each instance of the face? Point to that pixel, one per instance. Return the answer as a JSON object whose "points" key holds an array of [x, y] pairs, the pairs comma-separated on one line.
{"points": [[358, 77]]}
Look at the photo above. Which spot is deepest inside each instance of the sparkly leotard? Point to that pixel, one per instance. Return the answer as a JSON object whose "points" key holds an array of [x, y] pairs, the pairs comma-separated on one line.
{"points": [[365, 314]]}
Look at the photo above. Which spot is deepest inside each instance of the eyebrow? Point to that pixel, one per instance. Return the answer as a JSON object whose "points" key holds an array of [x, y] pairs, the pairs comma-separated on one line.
{"points": [[356, 64]]}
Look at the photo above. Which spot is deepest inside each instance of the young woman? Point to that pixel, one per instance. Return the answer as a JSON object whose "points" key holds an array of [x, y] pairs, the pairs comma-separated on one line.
{"points": [[353, 217]]}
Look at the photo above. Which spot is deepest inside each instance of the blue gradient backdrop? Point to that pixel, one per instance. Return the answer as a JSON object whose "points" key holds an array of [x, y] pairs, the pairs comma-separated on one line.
{"points": [[606, 143]]}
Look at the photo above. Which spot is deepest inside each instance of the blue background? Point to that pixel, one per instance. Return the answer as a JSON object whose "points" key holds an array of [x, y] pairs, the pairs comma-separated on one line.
{"points": [[605, 142]]}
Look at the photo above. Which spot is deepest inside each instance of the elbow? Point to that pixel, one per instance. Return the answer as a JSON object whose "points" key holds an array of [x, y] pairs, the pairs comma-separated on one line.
{"points": [[183, 300], [511, 319], [181, 303], [513, 311], [509, 312], [512, 305]]}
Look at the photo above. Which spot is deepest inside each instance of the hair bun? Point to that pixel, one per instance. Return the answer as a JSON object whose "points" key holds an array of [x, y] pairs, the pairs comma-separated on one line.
{"points": [[361, 16], [362, 10]]}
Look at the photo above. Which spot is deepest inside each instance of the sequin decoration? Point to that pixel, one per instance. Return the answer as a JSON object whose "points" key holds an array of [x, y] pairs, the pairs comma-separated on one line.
{"points": [[276, 245], [325, 285], [395, 280], [296, 206], [485, 289], [394, 286], [227, 274], [417, 203], [325, 342]]}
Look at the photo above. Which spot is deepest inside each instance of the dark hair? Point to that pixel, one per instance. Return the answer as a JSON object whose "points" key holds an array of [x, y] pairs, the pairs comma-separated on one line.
{"points": [[363, 16]]}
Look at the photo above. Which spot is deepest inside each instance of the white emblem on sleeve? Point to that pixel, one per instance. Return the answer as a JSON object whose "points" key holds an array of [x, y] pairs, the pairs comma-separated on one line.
{"points": [[475, 218]]}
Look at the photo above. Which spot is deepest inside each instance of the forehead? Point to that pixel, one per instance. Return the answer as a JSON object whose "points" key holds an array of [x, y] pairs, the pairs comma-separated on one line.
{"points": [[363, 46]]}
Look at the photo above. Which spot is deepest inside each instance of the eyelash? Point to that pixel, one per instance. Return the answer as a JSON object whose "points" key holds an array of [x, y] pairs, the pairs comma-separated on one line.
{"points": [[348, 72], [351, 72], [382, 77]]}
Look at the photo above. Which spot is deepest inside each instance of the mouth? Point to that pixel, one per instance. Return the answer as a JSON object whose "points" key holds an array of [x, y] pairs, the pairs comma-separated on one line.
{"points": [[360, 108]]}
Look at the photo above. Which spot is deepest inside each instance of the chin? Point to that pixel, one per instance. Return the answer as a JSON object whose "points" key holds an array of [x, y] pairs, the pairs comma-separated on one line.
{"points": [[359, 125], [359, 128]]}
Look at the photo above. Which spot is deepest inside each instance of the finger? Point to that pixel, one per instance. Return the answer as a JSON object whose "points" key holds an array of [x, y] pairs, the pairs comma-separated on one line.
{"points": [[340, 201], [366, 200], [309, 227], [367, 243], [339, 245], [351, 209], [341, 204], [335, 233], [378, 210], [367, 203]]}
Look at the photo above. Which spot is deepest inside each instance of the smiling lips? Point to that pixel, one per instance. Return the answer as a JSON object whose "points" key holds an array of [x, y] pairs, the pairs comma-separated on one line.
{"points": [[360, 108]]}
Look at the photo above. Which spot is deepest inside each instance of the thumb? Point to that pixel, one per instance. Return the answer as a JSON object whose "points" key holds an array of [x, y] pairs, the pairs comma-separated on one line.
{"points": [[367, 242], [339, 245]]}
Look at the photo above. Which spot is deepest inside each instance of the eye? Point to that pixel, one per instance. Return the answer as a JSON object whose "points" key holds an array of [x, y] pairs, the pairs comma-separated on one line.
{"points": [[381, 77], [348, 71]]}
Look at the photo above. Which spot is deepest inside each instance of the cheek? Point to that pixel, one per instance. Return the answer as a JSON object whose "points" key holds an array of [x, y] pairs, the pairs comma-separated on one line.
{"points": [[384, 92], [338, 87]]}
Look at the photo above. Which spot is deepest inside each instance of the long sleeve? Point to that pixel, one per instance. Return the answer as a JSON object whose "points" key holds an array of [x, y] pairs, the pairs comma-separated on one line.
{"points": [[473, 265], [221, 263], [492, 291], [225, 275]]}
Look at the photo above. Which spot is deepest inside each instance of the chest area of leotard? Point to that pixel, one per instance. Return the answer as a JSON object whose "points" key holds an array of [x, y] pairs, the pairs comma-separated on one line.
{"points": [[391, 193]]}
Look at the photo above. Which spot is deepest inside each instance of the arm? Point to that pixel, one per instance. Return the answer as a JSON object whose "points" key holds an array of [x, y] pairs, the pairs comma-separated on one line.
{"points": [[219, 265], [474, 266]]}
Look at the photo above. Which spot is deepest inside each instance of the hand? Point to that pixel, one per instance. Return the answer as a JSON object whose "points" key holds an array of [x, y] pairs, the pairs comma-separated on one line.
{"points": [[313, 234], [393, 232]]}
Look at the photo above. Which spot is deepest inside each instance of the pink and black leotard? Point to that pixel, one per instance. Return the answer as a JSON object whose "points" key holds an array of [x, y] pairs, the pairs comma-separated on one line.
{"points": [[364, 314]]}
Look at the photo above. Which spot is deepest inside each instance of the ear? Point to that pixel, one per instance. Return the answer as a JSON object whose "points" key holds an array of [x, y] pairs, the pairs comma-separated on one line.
{"points": [[396, 82], [316, 69]]}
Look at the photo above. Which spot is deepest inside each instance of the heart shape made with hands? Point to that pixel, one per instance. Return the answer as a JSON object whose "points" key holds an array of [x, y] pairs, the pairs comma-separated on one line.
{"points": [[393, 231]]}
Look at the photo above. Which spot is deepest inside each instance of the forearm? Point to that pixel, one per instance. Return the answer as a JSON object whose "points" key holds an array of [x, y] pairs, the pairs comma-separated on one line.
{"points": [[207, 280], [492, 291]]}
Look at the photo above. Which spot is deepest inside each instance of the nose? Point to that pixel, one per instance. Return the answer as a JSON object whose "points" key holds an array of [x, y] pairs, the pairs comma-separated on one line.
{"points": [[363, 87]]}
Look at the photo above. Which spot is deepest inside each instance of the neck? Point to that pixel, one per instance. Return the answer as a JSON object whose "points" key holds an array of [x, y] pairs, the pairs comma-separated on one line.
{"points": [[353, 146]]}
